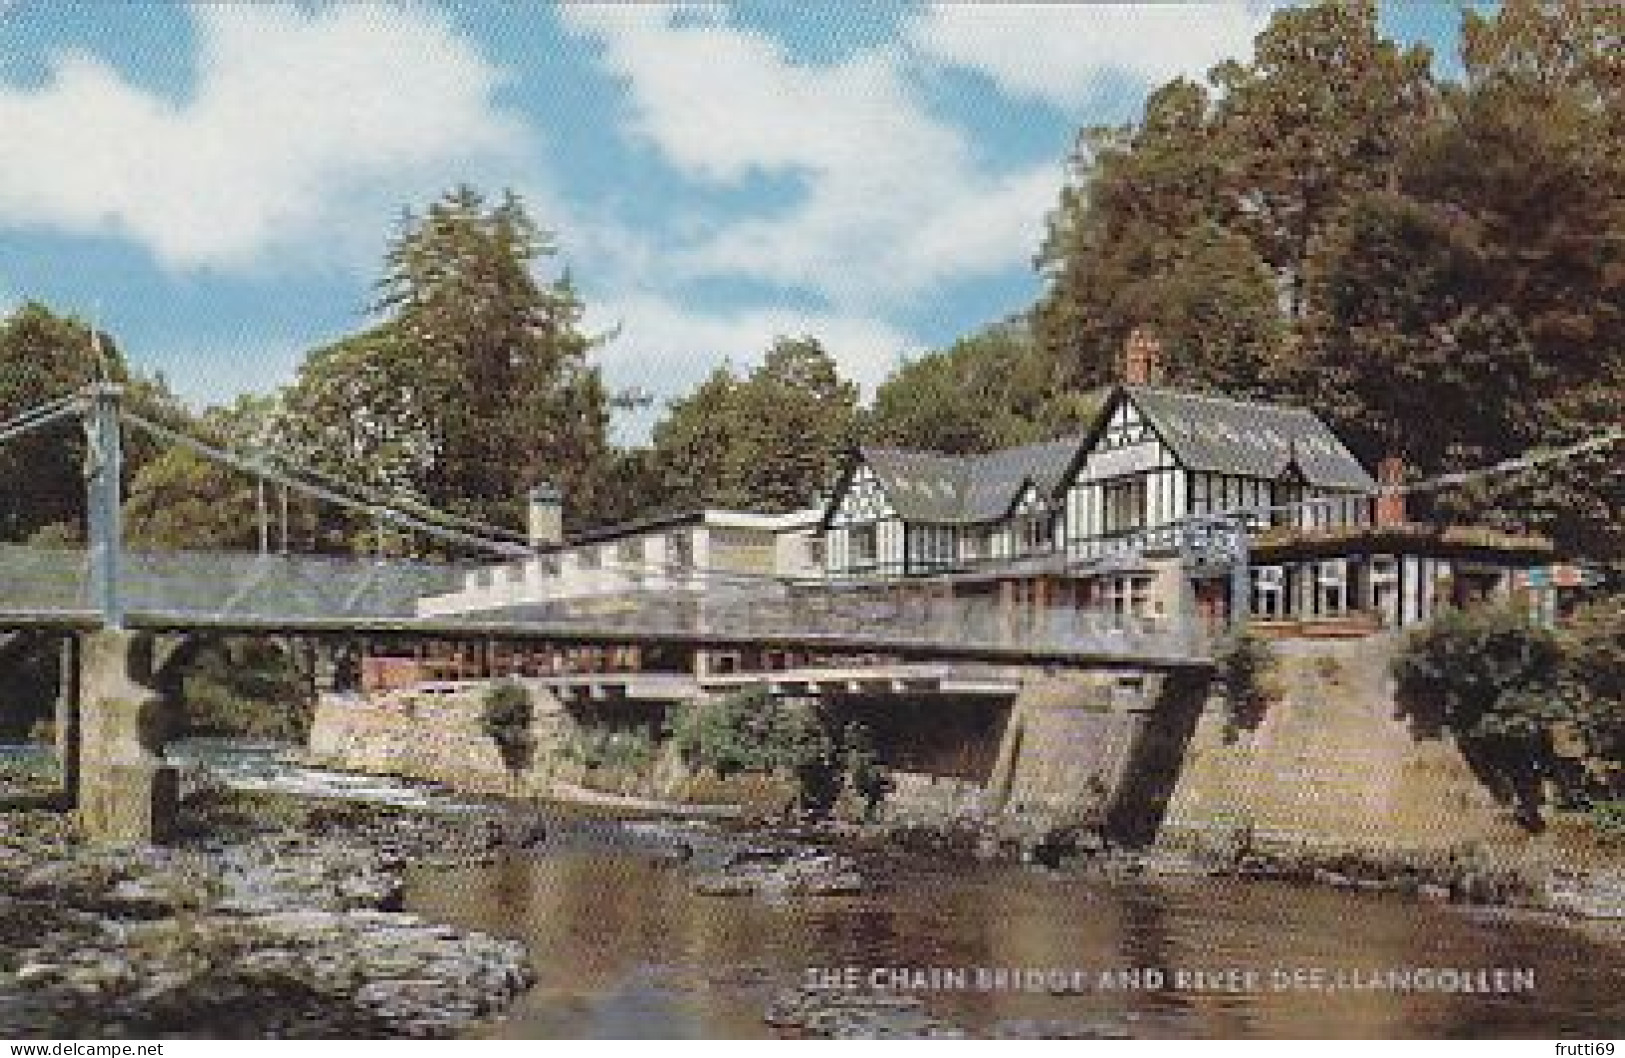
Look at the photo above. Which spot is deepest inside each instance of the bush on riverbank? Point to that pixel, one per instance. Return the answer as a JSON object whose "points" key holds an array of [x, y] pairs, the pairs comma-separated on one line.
{"points": [[1247, 672], [753, 732], [506, 713], [1512, 692], [245, 687]]}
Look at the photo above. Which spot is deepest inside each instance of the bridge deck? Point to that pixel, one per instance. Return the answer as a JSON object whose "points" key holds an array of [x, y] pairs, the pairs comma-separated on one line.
{"points": [[351, 597]]}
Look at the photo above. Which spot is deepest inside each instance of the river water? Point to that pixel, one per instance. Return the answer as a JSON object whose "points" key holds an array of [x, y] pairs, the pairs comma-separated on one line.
{"points": [[624, 947]]}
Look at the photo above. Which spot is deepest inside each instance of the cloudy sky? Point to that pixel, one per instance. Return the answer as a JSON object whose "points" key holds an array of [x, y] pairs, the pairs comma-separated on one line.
{"points": [[216, 183]]}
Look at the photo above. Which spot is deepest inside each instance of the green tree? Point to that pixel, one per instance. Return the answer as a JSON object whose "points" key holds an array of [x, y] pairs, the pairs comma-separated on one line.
{"points": [[768, 441], [181, 499], [475, 384], [1218, 316], [799, 415], [1494, 680], [989, 390], [44, 356], [699, 448], [1324, 110], [1133, 196], [1489, 283], [506, 714]]}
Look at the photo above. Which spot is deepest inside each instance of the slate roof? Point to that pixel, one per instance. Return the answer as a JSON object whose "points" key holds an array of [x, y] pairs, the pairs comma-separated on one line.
{"points": [[931, 487], [1207, 432], [1249, 438]]}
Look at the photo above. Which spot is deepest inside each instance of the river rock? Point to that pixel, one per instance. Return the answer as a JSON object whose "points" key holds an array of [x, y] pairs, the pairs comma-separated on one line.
{"points": [[1586, 894], [779, 873], [857, 1016]]}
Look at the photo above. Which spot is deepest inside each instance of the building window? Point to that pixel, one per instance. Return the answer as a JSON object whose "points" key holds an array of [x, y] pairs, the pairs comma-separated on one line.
{"points": [[1035, 531], [1201, 494], [1129, 595], [1332, 587], [1285, 495], [931, 545], [863, 542], [815, 552], [1269, 592], [548, 565], [629, 552], [1125, 505], [588, 558]]}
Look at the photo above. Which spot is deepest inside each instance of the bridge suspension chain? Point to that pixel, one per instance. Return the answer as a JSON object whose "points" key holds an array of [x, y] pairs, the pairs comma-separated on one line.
{"points": [[40, 416], [270, 473]]}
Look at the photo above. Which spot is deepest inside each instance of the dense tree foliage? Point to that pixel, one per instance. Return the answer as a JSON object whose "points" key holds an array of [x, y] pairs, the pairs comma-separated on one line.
{"points": [[475, 385], [45, 356], [987, 391], [1436, 268], [1509, 691], [768, 440]]}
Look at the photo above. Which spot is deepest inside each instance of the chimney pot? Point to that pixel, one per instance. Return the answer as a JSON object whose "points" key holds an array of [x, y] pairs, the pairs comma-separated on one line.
{"points": [[545, 515], [1142, 358], [1390, 509]]}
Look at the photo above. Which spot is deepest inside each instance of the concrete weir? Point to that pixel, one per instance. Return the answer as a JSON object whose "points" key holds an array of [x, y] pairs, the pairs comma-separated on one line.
{"points": [[127, 794]]}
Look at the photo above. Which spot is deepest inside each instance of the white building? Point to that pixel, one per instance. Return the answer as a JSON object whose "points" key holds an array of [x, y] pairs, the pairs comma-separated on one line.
{"points": [[682, 553]]}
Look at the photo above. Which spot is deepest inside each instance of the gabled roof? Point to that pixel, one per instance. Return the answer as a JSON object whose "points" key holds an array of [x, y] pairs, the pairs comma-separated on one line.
{"points": [[1206, 432], [1248, 438], [931, 487]]}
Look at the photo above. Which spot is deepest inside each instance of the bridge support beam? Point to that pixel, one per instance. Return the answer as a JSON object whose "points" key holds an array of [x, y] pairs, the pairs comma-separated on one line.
{"points": [[127, 794]]}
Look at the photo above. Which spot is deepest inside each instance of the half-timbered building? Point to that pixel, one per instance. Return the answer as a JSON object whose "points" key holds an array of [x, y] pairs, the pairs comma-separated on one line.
{"points": [[1108, 519]]}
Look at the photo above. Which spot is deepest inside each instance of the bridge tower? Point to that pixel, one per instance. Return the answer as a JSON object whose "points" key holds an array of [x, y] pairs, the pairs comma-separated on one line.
{"points": [[126, 793], [104, 468]]}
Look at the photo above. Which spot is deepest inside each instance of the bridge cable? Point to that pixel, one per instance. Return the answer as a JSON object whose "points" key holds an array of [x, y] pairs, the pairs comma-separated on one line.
{"points": [[271, 473], [374, 495], [41, 416]]}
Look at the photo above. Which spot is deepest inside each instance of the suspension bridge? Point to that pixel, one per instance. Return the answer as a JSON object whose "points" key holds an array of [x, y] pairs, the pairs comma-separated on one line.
{"points": [[107, 586], [127, 614]]}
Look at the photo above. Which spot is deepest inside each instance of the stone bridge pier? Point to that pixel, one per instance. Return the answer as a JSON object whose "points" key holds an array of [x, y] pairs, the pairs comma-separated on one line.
{"points": [[127, 793]]}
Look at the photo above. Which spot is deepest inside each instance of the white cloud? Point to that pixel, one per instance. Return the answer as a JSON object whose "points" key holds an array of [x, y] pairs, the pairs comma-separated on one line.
{"points": [[295, 119], [1061, 53], [892, 200]]}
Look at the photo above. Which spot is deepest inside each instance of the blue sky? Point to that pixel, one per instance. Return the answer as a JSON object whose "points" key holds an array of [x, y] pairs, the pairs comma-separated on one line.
{"points": [[216, 184]]}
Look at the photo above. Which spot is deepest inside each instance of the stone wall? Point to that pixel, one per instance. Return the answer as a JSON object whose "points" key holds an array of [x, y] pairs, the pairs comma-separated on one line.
{"points": [[1068, 743], [1330, 766], [431, 735]]}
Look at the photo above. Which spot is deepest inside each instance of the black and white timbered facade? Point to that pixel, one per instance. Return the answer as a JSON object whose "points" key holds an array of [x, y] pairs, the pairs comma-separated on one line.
{"points": [[1153, 466]]}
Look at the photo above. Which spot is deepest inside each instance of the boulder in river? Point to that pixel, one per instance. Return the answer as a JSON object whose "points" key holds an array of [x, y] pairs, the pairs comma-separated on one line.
{"points": [[787, 872]]}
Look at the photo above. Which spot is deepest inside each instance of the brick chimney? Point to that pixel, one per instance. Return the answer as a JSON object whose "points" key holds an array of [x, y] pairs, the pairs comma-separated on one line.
{"points": [[1390, 509], [545, 516], [1142, 359]]}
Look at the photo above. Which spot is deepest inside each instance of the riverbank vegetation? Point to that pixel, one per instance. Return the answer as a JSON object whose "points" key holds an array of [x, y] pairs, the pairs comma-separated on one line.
{"points": [[1539, 711], [753, 732], [1247, 672]]}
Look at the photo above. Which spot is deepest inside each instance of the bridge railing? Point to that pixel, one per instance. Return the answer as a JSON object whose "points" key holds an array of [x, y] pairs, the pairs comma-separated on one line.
{"points": [[288, 592]]}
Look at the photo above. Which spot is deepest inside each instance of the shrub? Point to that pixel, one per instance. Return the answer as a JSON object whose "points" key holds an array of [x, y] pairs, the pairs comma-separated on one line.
{"points": [[505, 716], [1493, 679], [1474, 671], [1247, 665], [1608, 819], [610, 748], [751, 731]]}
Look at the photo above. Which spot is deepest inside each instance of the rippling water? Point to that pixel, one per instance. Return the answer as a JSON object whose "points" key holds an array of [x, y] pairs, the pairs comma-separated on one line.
{"points": [[625, 948]]}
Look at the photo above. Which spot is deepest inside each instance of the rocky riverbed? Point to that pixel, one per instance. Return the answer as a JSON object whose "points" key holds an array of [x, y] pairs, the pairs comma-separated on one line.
{"points": [[276, 918]]}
